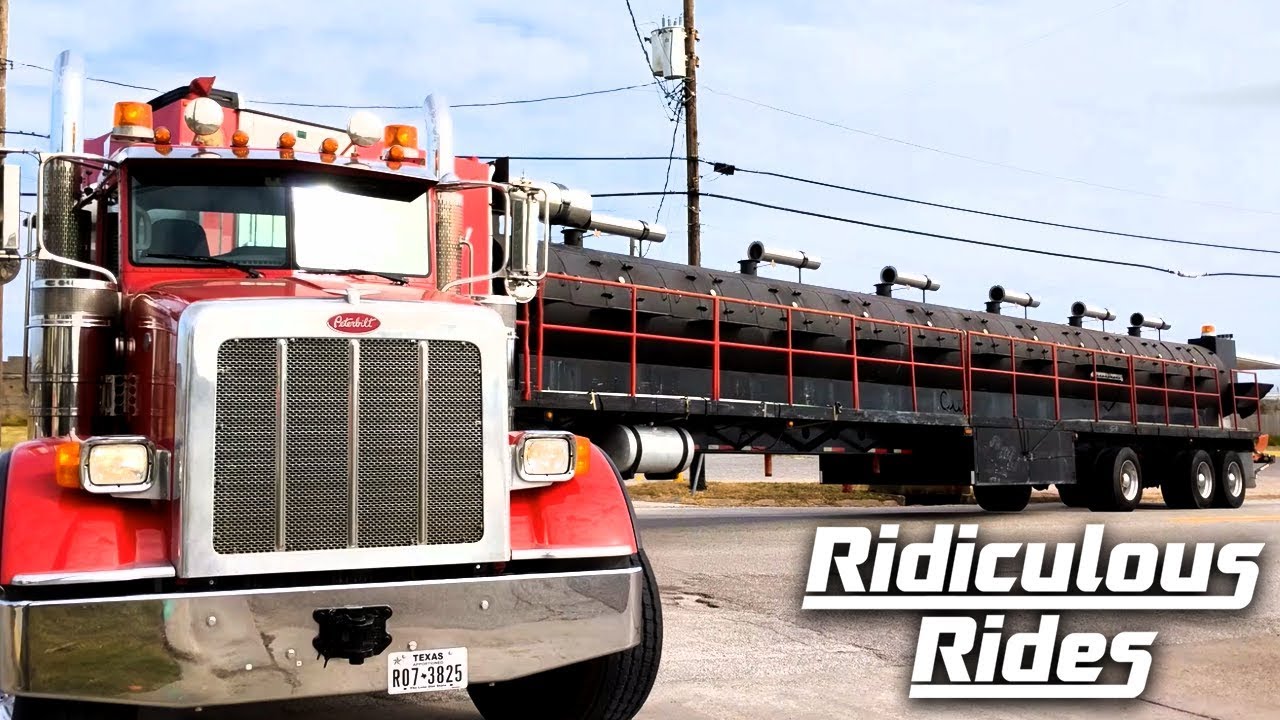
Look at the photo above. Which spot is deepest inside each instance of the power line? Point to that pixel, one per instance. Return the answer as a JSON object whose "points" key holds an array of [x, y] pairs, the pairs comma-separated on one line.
{"points": [[339, 106], [949, 238], [983, 161], [1004, 216], [28, 133], [671, 157], [726, 169]]}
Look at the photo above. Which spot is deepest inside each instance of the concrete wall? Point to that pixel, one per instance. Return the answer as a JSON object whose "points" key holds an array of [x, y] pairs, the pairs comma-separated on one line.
{"points": [[13, 401], [1271, 417]]}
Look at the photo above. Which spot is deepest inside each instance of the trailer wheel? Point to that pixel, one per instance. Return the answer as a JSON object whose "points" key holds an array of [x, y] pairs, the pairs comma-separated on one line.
{"points": [[1117, 486], [1230, 488], [613, 687], [1076, 496], [1190, 485], [40, 709], [1002, 498]]}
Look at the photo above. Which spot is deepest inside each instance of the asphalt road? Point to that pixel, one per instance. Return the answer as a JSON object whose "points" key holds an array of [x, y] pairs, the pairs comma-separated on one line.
{"points": [[738, 645]]}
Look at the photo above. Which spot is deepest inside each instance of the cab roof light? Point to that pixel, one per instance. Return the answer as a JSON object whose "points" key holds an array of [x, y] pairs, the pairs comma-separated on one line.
{"points": [[163, 136], [329, 146], [203, 116], [240, 139], [401, 142], [132, 120], [287, 141]]}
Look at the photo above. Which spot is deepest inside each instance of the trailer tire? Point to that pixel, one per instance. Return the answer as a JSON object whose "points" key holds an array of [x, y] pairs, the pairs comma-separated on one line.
{"points": [[1229, 491], [1002, 498], [41, 709], [1191, 484], [613, 687], [1075, 496], [1117, 485]]}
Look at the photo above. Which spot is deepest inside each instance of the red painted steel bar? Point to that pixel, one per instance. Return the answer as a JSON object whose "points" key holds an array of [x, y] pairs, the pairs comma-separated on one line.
{"points": [[791, 379], [911, 361], [1195, 399], [1013, 365], [1164, 375], [715, 349], [1133, 392], [1097, 391], [853, 351], [635, 341], [542, 329], [1057, 389]]}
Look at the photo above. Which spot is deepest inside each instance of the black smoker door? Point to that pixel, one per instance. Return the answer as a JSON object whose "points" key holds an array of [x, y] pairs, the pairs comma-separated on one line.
{"points": [[1023, 456]]}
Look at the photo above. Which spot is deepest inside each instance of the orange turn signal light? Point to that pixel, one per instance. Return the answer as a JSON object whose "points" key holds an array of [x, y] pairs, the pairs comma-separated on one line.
{"points": [[240, 139], [66, 464], [582, 456], [400, 136], [287, 141]]}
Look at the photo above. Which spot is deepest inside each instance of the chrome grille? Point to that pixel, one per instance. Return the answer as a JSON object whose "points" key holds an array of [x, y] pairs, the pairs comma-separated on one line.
{"points": [[325, 444]]}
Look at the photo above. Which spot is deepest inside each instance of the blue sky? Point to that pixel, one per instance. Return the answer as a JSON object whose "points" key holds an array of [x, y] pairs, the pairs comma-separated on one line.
{"points": [[1172, 98]]}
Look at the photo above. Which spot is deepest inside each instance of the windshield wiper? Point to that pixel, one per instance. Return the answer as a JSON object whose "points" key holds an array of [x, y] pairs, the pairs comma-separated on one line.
{"points": [[251, 272], [393, 277]]}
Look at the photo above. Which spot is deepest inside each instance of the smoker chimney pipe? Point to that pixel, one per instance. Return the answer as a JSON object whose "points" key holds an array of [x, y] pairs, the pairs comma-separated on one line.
{"points": [[998, 294], [66, 121], [794, 258], [891, 276], [1082, 309], [747, 267]]}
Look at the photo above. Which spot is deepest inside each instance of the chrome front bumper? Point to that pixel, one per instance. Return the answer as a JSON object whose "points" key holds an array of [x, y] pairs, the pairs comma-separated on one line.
{"points": [[205, 649]]}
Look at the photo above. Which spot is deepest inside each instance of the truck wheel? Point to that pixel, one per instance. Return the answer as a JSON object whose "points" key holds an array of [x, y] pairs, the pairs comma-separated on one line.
{"points": [[1076, 496], [1230, 488], [613, 687], [39, 709], [1117, 486], [1002, 498], [1191, 482]]}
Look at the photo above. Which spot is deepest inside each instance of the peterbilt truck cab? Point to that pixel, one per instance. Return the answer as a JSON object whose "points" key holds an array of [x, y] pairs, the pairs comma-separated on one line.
{"points": [[271, 454]]}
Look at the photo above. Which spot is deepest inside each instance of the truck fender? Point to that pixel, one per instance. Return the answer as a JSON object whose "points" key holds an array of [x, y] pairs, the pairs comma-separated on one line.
{"points": [[52, 529], [591, 511]]}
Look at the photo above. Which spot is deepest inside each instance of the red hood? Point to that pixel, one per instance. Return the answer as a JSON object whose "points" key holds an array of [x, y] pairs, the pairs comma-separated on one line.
{"points": [[311, 286], [172, 298]]}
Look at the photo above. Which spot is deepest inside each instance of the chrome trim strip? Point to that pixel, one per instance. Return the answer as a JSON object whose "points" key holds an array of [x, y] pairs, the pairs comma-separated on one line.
{"points": [[282, 398], [156, 572], [353, 448], [239, 647], [424, 454], [205, 325], [572, 552]]}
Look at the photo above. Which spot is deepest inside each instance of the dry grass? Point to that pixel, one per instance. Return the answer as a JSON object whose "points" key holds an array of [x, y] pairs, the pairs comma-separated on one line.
{"points": [[758, 494], [10, 436]]}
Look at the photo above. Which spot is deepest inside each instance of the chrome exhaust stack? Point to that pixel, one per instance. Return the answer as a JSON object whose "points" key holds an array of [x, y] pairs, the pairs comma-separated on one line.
{"points": [[450, 229]]}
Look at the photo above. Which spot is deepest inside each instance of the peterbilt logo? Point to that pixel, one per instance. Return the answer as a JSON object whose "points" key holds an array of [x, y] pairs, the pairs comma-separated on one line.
{"points": [[354, 322]]}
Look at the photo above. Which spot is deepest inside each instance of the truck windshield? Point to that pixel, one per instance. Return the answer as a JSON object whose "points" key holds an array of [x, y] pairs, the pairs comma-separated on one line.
{"points": [[304, 220]]}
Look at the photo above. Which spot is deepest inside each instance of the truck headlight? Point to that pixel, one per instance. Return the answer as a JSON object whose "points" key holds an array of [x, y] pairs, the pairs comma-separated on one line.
{"points": [[117, 465], [550, 456]]}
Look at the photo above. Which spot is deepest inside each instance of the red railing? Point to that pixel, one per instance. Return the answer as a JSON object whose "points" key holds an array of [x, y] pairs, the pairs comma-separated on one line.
{"points": [[536, 328]]}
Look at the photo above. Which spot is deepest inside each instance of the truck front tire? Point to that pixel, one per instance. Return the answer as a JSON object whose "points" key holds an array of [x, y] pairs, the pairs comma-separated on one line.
{"points": [[613, 687]]}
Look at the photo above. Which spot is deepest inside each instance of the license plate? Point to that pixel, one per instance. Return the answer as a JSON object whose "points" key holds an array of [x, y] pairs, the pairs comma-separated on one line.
{"points": [[419, 671]]}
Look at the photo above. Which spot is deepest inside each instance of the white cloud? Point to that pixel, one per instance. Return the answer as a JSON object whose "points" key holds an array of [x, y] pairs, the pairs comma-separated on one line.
{"points": [[1112, 95]]}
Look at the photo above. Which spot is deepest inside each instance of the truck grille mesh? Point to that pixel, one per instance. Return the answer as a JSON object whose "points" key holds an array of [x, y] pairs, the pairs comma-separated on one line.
{"points": [[323, 444]]}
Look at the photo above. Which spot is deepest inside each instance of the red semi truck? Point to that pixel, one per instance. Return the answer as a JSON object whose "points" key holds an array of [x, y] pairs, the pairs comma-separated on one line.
{"points": [[272, 453]]}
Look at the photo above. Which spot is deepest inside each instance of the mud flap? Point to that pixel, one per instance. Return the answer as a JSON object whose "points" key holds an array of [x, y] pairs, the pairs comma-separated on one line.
{"points": [[1023, 456]]}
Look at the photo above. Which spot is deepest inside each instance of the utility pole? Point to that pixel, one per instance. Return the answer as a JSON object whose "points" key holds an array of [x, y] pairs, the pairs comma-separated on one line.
{"points": [[690, 134], [4, 124]]}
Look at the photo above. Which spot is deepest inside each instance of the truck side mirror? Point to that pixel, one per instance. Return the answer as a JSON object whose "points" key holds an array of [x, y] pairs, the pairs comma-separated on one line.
{"points": [[10, 222], [529, 243]]}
